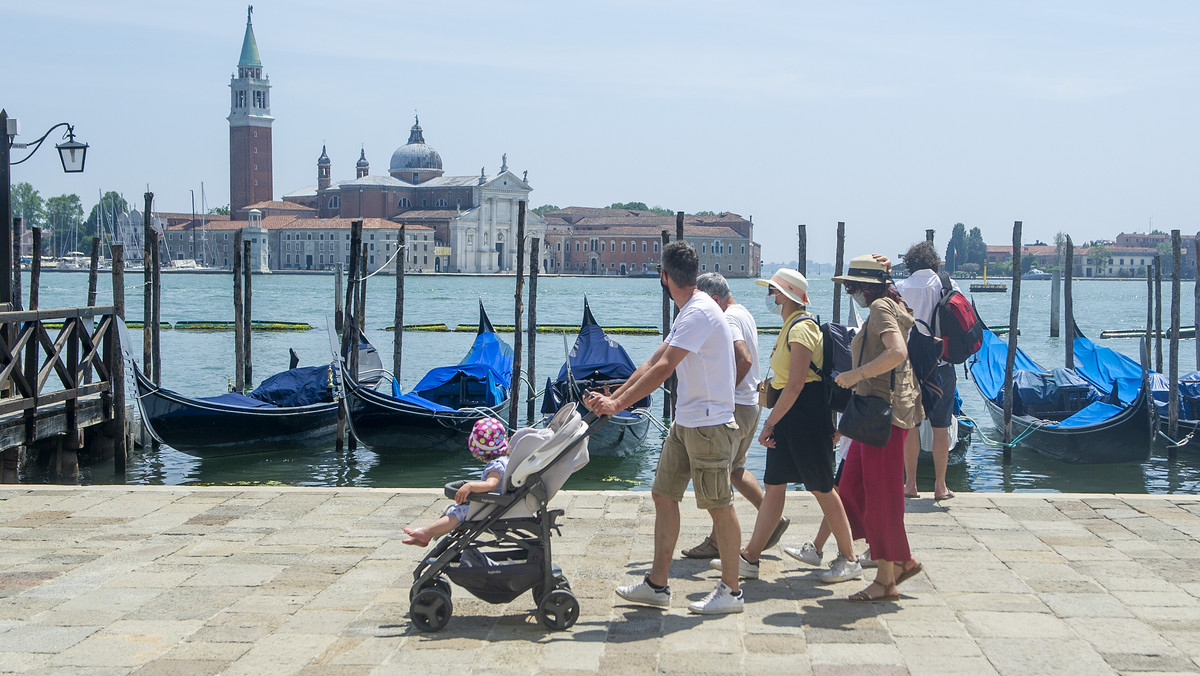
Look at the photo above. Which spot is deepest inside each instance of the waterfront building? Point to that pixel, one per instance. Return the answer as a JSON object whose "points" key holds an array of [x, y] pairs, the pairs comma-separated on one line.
{"points": [[599, 241], [1122, 261]]}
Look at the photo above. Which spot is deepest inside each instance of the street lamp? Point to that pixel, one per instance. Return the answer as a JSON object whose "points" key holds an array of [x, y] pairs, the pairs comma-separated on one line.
{"points": [[72, 154]]}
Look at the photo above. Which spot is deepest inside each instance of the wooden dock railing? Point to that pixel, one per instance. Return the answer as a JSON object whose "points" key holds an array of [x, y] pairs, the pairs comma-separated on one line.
{"points": [[52, 362]]}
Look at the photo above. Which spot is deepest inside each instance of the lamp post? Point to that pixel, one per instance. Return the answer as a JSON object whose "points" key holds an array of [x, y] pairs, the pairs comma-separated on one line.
{"points": [[72, 154]]}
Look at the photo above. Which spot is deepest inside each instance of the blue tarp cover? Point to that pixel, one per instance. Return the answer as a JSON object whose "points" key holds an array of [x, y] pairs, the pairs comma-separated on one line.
{"points": [[987, 365], [296, 387], [487, 368], [417, 400], [1103, 367], [1043, 392], [1095, 413], [235, 399], [594, 356]]}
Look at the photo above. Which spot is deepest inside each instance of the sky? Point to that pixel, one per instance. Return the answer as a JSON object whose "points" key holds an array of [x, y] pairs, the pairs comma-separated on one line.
{"points": [[1073, 116]]}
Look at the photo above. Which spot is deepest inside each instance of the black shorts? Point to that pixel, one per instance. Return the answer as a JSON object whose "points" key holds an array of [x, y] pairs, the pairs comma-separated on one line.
{"points": [[941, 414], [803, 452]]}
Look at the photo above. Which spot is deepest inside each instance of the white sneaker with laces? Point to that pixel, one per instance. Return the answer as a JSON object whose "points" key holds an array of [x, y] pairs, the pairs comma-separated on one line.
{"points": [[807, 554], [746, 570], [720, 601], [646, 595], [866, 560], [842, 569]]}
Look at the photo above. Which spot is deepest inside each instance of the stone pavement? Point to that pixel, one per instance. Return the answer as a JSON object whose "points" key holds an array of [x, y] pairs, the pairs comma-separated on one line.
{"points": [[176, 580]]}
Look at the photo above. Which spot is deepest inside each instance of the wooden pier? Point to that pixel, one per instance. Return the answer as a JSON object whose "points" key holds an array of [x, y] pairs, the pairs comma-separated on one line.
{"points": [[61, 389]]}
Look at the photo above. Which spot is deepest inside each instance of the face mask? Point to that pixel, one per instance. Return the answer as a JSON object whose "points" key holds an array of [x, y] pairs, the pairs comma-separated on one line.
{"points": [[860, 298], [773, 307]]}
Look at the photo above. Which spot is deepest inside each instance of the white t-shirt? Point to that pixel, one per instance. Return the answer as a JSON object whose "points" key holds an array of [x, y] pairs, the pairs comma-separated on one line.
{"points": [[922, 290], [743, 328], [706, 374]]}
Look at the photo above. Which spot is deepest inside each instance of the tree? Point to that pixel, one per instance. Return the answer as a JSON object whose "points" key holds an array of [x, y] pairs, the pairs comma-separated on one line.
{"points": [[1098, 257], [1166, 256], [641, 206], [28, 205], [704, 213], [104, 214], [545, 209], [1026, 264], [1001, 269], [64, 216], [220, 211], [976, 248], [956, 248], [1060, 246]]}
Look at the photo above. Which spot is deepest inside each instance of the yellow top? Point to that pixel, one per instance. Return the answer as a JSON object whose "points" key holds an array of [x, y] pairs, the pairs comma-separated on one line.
{"points": [[808, 334]]}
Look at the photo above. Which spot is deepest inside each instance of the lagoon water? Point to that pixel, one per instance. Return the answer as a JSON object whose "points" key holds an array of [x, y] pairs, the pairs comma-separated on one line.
{"points": [[201, 364]]}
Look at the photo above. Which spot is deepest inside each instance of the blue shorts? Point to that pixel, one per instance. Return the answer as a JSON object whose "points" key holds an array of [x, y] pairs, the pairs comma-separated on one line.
{"points": [[941, 414]]}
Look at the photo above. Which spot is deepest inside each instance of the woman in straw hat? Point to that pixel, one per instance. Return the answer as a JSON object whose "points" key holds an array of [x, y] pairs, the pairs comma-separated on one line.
{"points": [[872, 482], [798, 433]]}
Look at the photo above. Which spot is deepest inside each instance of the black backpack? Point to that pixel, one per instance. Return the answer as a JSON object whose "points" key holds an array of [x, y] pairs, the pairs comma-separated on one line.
{"points": [[957, 323], [836, 358]]}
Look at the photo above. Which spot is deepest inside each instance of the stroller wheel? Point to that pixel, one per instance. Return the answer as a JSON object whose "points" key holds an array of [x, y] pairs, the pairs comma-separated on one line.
{"points": [[538, 592], [435, 583], [558, 609], [430, 609]]}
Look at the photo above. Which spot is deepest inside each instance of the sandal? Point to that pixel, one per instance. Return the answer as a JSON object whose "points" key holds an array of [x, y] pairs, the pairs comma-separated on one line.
{"points": [[704, 550], [865, 596], [415, 539], [909, 572]]}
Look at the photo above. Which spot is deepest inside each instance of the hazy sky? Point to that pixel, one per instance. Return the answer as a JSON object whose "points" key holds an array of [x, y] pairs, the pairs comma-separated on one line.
{"points": [[891, 116]]}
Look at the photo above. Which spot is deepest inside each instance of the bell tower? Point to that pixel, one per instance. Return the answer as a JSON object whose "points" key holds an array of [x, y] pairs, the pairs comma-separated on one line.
{"points": [[249, 129]]}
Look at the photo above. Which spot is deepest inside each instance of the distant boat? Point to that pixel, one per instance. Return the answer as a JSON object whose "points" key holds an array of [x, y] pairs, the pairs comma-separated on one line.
{"points": [[985, 286], [1034, 273]]}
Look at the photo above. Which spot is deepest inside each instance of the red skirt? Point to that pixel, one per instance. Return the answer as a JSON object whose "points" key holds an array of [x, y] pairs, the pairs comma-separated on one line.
{"points": [[872, 490]]}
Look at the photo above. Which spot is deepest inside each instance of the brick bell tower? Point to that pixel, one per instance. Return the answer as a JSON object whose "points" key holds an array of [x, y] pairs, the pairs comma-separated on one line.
{"points": [[249, 130]]}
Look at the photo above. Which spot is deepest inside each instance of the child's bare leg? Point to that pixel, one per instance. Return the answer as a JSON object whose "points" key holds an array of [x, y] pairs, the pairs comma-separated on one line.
{"points": [[421, 536]]}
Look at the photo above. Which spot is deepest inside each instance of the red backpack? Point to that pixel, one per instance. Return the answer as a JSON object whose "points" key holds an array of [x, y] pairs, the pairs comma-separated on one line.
{"points": [[957, 323]]}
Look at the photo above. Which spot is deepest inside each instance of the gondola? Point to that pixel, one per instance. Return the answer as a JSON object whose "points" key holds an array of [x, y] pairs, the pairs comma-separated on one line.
{"points": [[1059, 413], [291, 409], [1106, 368], [597, 361], [442, 407]]}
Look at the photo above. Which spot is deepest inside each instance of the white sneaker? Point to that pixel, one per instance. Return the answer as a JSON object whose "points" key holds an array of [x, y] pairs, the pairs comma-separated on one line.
{"points": [[746, 570], [807, 554], [646, 595], [842, 569], [721, 601], [866, 560]]}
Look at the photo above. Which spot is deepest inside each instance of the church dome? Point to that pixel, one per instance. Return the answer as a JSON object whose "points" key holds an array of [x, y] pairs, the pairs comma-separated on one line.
{"points": [[415, 155]]}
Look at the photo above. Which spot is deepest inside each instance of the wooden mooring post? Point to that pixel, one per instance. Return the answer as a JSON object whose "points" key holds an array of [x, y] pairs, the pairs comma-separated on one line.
{"points": [[239, 326], [1173, 400], [35, 266], [16, 262], [247, 315], [118, 427], [93, 272], [535, 252], [1158, 330], [514, 392], [666, 327], [838, 269], [337, 298], [1055, 300], [1013, 316], [147, 287], [398, 315], [802, 249], [156, 308], [1068, 302], [929, 235]]}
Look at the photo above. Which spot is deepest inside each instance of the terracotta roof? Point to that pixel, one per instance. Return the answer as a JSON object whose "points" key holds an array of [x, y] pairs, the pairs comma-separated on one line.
{"points": [[689, 231], [291, 222], [274, 204]]}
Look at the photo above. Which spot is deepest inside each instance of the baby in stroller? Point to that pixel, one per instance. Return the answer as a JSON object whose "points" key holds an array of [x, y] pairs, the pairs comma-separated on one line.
{"points": [[501, 548], [489, 444]]}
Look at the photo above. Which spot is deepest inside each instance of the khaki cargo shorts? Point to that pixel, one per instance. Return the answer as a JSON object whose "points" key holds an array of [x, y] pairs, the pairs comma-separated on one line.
{"points": [[701, 455], [746, 417]]}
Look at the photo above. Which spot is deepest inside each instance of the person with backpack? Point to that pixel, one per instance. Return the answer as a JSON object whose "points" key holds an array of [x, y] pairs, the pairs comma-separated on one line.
{"points": [[922, 291], [798, 433], [872, 482]]}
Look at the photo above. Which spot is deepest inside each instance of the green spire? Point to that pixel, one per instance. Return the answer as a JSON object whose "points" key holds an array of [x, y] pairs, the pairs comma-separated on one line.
{"points": [[249, 47]]}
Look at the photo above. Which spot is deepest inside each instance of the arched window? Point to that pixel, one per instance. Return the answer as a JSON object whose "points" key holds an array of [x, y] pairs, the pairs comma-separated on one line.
{"points": [[656, 246], [643, 246], [404, 203], [622, 247], [335, 202], [612, 245], [440, 203]]}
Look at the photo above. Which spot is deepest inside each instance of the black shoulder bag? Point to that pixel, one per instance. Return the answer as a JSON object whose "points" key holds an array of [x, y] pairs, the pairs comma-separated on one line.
{"points": [[868, 419]]}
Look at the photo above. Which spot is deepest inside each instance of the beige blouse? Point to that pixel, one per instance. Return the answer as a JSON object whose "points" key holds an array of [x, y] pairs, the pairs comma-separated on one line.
{"points": [[888, 315]]}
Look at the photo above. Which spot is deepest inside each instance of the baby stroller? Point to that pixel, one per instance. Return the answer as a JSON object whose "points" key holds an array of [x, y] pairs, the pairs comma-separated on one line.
{"points": [[502, 549]]}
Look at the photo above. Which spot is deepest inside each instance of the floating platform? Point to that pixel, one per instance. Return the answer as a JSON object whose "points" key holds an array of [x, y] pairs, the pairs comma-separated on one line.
{"points": [[257, 325], [988, 287], [567, 328], [1185, 332], [431, 328]]}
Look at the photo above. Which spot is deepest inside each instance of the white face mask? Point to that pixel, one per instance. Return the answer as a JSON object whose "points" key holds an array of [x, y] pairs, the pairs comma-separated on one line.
{"points": [[772, 306], [860, 298]]}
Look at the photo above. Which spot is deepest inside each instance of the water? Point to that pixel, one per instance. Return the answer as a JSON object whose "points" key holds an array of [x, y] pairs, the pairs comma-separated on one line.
{"points": [[201, 364]]}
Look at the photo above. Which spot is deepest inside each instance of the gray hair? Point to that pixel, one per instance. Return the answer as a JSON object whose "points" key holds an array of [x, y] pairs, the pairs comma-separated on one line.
{"points": [[714, 284]]}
